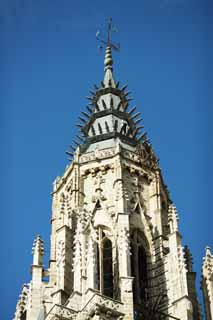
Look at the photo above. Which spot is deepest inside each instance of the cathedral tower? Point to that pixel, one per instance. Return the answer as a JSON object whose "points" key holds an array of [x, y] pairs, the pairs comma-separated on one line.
{"points": [[116, 250]]}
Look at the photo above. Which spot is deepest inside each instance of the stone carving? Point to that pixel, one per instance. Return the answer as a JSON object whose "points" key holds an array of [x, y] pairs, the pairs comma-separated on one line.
{"points": [[98, 300], [119, 189], [61, 312], [91, 251], [65, 214], [127, 284], [22, 302], [77, 260], [61, 254], [207, 283], [60, 263], [99, 181], [84, 217], [173, 218], [144, 156], [69, 186], [98, 154], [124, 241]]}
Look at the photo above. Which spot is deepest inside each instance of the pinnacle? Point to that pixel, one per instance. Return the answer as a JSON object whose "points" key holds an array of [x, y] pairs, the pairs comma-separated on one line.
{"points": [[108, 62], [208, 251], [38, 246]]}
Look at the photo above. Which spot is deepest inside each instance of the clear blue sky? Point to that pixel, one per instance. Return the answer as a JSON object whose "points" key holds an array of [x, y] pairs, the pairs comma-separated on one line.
{"points": [[48, 62]]}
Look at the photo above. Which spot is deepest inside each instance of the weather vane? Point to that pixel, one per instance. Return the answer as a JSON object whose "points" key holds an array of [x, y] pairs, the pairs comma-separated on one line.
{"points": [[107, 41]]}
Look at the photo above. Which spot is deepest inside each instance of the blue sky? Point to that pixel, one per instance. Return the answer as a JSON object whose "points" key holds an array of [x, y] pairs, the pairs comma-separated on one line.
{"points": [[48, 62]]}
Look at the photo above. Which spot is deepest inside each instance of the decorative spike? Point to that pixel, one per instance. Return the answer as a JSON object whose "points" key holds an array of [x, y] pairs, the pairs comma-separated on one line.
{"points": [[83, 132], [117, 84], [140, 127], [136, 131], [93, 130], [124, 87], [129, 132], [89, 109], [80, 138], [111, 102], [96, 87], [92, 93], [100, 129], [132, 110], [104, 104], [91, 103], [89, 98], [76, 142], [130, 99], [71, 147], [107, 127], [147, 141], [79, 125], [135, 115], [85, 114], [142, 136], [119, 105], [69, 153], [137, 121], [126, 94], [82, 119], [126, 105], [102, 84]]}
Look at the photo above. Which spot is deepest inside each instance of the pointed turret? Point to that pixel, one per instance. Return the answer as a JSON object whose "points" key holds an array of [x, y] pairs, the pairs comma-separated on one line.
{"points": [[38, 251], [108, 119]]}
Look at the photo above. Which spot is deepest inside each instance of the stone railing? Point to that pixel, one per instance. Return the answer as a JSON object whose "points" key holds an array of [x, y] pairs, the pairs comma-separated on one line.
{"points": [[100, 302], [60, 312]]}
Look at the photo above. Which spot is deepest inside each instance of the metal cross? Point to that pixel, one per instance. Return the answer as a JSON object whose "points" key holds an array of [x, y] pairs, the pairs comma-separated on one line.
{"points": [[108, 42]]}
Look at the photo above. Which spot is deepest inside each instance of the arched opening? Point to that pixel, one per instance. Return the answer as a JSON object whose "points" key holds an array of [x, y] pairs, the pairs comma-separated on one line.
{"points": [[107, 268], [142, 270], [139, 268], [104, 264]]}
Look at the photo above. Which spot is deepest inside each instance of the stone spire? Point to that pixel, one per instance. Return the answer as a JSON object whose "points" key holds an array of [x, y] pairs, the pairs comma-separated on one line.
{"points": [[109, 116], [38, 251]]}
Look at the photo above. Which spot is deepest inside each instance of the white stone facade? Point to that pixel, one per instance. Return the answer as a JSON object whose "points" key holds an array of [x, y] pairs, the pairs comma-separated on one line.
{"points": [[207, 283], [116, 250]]}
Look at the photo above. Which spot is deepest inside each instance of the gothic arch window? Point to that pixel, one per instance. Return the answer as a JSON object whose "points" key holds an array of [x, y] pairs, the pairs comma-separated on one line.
{"points": [[139, 267], [104, 264]]}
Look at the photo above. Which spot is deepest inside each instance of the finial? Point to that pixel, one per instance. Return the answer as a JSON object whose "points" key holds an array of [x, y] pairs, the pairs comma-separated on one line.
{"points": [[107, 41], [38, 250], [108, 61], [208, 251]]}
